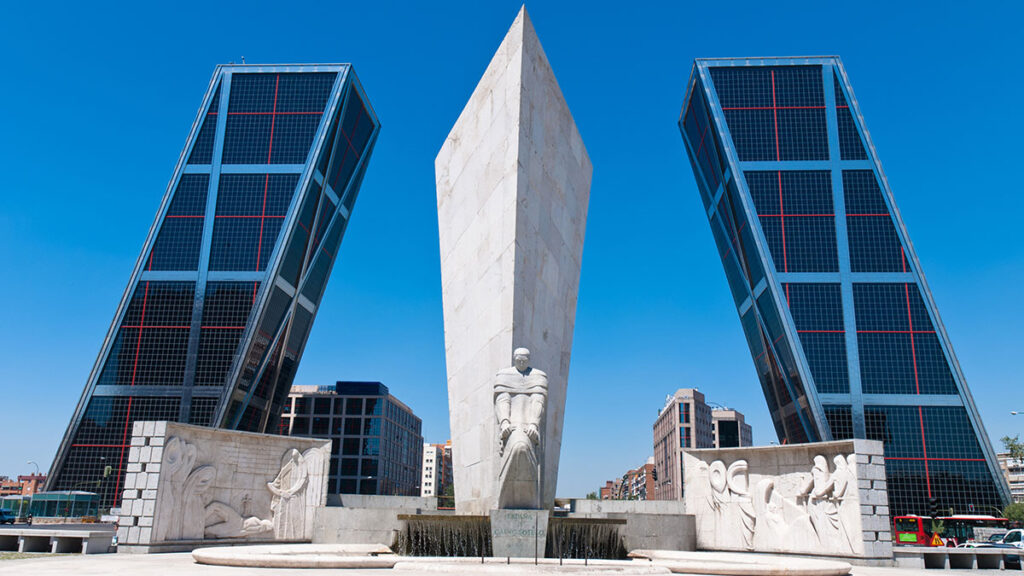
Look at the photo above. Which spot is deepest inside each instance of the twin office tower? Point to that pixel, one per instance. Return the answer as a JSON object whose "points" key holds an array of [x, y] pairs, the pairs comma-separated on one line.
{"points": [[845, 336]]}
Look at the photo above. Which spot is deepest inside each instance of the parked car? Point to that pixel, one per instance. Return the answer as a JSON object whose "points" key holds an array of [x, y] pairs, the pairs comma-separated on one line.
{"points": [[6, 517], [997, 537], [1014, 538]]}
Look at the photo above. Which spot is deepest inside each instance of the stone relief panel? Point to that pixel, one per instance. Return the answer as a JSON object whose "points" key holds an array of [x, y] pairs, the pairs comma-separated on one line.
{"points": [[787, 501], [216, 484]]}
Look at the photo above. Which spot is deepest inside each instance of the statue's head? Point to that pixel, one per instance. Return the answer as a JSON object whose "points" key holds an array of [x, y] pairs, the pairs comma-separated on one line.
{"points": [[521, 358]]}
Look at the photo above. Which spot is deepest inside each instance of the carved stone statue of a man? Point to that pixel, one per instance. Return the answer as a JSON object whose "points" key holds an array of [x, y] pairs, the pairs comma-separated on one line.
{"points": [[520, 394]]}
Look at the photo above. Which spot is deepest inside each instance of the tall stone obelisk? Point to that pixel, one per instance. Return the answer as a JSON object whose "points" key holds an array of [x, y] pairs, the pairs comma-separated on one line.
{"points": [[513, 184]]}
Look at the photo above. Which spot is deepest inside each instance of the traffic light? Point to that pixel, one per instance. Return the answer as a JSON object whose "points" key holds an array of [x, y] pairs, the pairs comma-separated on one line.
{"points": [[654, 474], [933, 507]]}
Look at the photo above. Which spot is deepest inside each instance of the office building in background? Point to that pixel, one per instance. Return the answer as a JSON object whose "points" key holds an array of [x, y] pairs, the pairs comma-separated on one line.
{"points": [[730, 429], [437, 469], [376, 440], [684, 422]]}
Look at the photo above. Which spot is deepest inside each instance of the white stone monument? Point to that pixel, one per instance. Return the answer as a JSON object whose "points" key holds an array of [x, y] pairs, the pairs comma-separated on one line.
{"points": [[513, 184]]}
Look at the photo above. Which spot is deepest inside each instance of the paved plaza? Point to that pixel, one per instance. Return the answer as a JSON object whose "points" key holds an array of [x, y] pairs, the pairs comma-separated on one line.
{"points": [[182, 563]]}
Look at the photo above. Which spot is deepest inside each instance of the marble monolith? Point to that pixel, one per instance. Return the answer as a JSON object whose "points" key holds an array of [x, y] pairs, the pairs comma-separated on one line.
{"points": [[513, 184]]}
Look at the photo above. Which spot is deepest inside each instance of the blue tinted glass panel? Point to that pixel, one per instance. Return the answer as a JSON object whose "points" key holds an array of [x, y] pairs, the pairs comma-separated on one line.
{"points": [[202, 151], [304, 93], [899, 427], [862, 195], [293, 135], [850, 146], [874, 245], [886, 363], [247, 139], [753, 134], [356, 128], [735, 278], [225, 313], [796, 214], [250, 211], [933, 373], [907, 485], [774, 113], [810, 244], [964, 486], [815, 307], [802, 134], [201, 411], [840, 421], [177, 245], [190, 196], [272, 118], [102, 440]]}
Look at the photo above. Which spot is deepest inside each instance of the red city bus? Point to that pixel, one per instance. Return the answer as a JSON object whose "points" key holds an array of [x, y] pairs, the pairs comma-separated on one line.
{"points": [[912, 530], [958, 529]]}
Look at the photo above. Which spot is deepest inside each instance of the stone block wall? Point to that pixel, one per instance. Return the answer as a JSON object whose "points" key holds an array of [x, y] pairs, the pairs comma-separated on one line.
{"points": [[827, 498], [188, 486]]}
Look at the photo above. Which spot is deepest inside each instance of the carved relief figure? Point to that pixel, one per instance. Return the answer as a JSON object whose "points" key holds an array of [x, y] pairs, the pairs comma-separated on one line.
{"points": [[288, 506], [520, 396], [187, 511], [314, 460], [814, 512], [179, 456], [730, 499], [844, 485]]}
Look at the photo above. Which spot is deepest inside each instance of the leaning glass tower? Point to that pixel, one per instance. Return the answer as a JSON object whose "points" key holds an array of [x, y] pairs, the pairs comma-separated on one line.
{"points": [[215, 317], [845, 335]]}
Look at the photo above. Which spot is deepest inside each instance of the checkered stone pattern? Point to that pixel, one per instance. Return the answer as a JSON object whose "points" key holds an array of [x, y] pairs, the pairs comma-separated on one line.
{"points": [[138, 503], [876, 523]]}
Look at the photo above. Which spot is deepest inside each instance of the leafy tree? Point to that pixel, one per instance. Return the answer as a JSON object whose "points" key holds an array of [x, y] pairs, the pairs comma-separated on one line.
{"points": [[1014, 446], [1014, 512], [592, 496], [447, 497]]}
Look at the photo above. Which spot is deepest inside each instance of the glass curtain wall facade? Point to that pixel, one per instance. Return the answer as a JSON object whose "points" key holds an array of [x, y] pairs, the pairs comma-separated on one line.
{"points": [[216, 313], [845, 335]]}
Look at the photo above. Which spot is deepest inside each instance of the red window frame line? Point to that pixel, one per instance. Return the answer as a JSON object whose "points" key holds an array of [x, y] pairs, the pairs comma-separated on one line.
{"points": [[701, 147], [275, 112], [925, 459], [341, 129], [266, 181], [773, 107], [261, 216], [896, 331], [917, 385], [776, 341], [186, 327], [734, 242], [795, 215]]}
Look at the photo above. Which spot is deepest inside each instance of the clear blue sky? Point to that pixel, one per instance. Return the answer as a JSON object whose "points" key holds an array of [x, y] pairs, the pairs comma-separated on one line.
{"points": [[97, 101]]}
